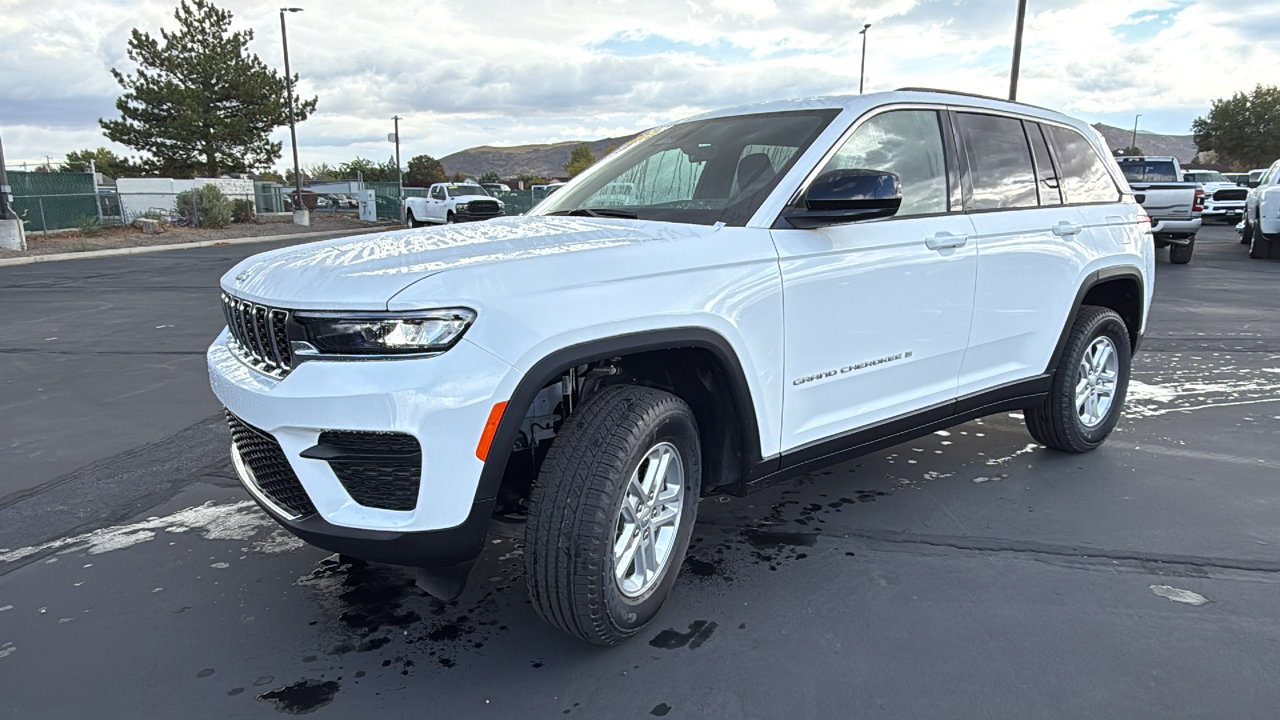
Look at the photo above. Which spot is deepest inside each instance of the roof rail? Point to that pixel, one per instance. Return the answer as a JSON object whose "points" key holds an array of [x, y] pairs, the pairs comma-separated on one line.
{"points": [[968, 94]]}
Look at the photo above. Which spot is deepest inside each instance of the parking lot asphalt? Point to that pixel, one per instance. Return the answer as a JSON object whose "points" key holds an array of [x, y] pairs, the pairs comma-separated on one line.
{"points": [[970, 573]]}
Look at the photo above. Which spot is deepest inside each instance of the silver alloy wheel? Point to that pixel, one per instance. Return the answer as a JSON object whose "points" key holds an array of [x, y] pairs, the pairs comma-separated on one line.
{"points": [[1096, 385], [648, 520]]}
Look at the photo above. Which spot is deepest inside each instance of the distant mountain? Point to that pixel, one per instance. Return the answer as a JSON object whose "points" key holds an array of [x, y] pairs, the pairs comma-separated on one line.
{"points": [[549, 160], [1182, 147], [508, 162]]}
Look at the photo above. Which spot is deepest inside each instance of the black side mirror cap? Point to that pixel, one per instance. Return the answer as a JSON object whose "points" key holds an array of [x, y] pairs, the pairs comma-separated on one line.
{"points": [[837, 197], [1139, 198]]}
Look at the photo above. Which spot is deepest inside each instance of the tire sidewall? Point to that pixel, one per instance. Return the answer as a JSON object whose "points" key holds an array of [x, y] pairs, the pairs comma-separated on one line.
{"points": [[1112, 327], [676, 426]]}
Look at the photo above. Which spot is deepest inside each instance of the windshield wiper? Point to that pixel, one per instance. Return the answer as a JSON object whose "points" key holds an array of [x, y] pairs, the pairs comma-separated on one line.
{"points": [[599, 212]]}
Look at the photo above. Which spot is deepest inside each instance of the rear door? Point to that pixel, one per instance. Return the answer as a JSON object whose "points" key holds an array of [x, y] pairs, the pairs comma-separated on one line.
{"points": [[877, 313], [1032, 248]]}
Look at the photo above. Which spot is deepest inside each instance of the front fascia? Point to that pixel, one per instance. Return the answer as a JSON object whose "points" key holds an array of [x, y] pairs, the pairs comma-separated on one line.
{"points": [[724, 281], [443, 401]]}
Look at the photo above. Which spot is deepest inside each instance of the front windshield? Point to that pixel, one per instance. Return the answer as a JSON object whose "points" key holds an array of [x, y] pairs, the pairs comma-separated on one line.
{"points": [[1208, 177], [1148, 171], [701, 172], [463, 190]]}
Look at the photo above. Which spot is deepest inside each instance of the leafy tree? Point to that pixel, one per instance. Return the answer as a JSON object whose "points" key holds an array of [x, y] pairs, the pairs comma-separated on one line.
{"points": [[424, 170], [490, 177], [1243, 130], [1127, 151], [272, 176], [367, 169], [580, 159], [103, 160], [458, 177], [199, 102]]}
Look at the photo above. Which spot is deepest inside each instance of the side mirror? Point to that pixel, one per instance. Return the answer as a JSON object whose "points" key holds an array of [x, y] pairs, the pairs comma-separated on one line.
{"points": [[1139, 198], [1254, 183], [844, 196]]}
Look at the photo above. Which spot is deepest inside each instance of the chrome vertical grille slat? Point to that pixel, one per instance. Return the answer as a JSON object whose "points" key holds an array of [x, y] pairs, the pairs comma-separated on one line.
{"points": [[260, 334]]}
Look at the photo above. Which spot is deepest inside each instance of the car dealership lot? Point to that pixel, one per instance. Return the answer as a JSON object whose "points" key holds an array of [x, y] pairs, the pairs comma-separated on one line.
{"points": [[963, 574]]}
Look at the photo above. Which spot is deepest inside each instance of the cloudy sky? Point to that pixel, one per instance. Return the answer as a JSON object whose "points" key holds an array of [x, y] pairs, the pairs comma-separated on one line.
{"points": [[507, 72]]}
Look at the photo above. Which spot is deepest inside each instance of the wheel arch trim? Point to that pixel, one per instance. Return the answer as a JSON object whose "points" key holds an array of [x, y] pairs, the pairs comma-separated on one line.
{"points": [[1092, 280], [554, 364]]}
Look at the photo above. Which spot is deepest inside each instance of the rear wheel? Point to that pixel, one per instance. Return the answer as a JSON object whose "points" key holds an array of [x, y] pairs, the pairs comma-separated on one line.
{"points": [[1246, 234], [1181, 254], [611, 513], [1259, 245], [1089, 387]]}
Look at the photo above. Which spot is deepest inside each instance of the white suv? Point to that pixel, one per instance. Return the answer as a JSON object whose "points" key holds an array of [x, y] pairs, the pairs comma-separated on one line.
{"points": [[784, 286]]}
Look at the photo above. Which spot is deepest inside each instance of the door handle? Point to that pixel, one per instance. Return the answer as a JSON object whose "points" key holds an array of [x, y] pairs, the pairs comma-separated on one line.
{"points": [[944, 240], [1066, 229]]}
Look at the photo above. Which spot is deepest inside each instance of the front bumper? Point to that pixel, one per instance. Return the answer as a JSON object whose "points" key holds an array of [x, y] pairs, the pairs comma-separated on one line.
{"points": [[1224, 209], [468, 216], [443, 401]]}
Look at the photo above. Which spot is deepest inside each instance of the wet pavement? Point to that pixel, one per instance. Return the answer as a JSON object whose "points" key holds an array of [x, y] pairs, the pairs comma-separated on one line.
{"points": [[970, 573]]}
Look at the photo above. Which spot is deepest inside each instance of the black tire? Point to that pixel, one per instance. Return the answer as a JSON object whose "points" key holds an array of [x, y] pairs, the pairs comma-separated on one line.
{"points": [[1055, 422], [409, 219], [1246, 235], [1181, 254], [574, 508], [450, 219]]}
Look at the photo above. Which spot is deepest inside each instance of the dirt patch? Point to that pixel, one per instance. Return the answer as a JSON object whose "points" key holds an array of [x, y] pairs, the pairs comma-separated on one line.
{"points": [[120, 237]]}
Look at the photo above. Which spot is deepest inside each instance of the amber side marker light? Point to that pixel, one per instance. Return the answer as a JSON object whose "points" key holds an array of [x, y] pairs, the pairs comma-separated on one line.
{"points": [[490, 428]]}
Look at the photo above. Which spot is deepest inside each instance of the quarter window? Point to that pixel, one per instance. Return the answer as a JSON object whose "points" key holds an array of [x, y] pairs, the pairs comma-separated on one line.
{"points": [[907, 143], [1000, 166], [1084, 178]]}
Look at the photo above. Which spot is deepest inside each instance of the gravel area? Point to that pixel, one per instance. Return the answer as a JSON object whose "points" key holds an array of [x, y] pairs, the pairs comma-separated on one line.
{"points": [[129, 236]]}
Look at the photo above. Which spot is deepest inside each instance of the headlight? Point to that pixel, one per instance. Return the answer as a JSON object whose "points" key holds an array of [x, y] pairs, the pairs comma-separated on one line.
{"points": [[428, 331], [460, 206]]}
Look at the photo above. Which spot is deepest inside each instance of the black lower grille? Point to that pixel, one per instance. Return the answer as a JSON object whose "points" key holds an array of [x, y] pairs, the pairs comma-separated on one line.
{"points": [[272, 472], [1231, 195], [378, 470]]}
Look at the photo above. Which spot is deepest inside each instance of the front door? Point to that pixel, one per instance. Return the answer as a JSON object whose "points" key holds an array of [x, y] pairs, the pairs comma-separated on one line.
{"points": [[877, 313]]}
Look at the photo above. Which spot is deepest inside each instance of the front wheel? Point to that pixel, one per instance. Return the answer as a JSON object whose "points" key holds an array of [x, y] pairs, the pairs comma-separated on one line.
{"points": [[1089, 386], [1246, 233], [410, 220], [450, 219], [1181, 254], [611, 513]]}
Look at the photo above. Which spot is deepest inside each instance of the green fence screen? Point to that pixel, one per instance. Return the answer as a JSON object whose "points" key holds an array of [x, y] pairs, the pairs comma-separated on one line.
{"points": [[54, 201]]}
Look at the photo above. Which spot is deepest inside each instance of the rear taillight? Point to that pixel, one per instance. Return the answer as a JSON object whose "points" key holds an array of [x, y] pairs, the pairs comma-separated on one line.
{"points": [[1198, 205]]}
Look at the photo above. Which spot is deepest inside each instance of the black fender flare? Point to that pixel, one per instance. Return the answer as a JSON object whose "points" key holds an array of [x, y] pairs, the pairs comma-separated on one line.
{"points": [[1094, 279], [557, 363]]}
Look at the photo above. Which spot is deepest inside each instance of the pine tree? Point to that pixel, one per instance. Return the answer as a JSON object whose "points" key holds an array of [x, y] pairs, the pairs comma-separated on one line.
{"points": [[580, 159], [199, 102]]}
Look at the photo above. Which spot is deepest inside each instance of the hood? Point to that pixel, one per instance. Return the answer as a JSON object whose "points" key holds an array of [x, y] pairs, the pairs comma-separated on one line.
{"points": [[363, 273]]}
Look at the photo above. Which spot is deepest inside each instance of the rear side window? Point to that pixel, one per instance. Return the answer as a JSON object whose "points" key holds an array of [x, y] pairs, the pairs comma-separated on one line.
{"points": [[907, 143], [1084, 178], [1000, 166], [1046, 178], [1149, 171]]}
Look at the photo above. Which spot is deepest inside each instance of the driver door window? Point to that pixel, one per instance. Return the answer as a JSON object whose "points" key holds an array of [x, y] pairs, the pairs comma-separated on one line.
{"points": [[907, 143]]}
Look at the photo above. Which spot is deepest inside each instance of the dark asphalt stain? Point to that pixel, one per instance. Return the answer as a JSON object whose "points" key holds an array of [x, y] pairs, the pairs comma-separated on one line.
{"points": [[661, 709], [205, 673], [264, 680], [773, 539], [302, 697], [537, 664], [235, 691], [699, 632], [699, 568]]}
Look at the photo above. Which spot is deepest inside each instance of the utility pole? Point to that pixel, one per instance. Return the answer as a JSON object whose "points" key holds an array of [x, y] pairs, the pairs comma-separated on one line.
{"points": [[1017, 50], [300, 214], [1133, 142], [5, 192], [399, 170], [862, 74]]}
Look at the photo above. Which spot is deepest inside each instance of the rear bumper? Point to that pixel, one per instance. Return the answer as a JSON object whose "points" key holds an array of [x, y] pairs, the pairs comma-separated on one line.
{"points": [[1175, 230]]}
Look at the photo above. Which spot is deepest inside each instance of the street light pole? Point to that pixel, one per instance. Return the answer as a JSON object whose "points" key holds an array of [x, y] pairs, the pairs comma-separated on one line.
{"points": [[1133, 142], [1017, 50], [304, 219], [4, 187], [862, 74]]}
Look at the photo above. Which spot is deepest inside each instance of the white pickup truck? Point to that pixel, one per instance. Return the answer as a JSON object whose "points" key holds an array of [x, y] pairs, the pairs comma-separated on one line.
{"points": [[447, 203], [1173, 205], [1262, 216], [1223, 198]]}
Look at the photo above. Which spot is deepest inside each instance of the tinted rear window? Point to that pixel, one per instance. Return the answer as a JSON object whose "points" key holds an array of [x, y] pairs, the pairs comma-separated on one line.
{"points": [[999, 162], [1084, 178], [1148, 171]]}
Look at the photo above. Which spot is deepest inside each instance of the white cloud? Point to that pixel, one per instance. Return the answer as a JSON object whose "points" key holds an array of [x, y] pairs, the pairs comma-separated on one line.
{"points": [[513, 72]]}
